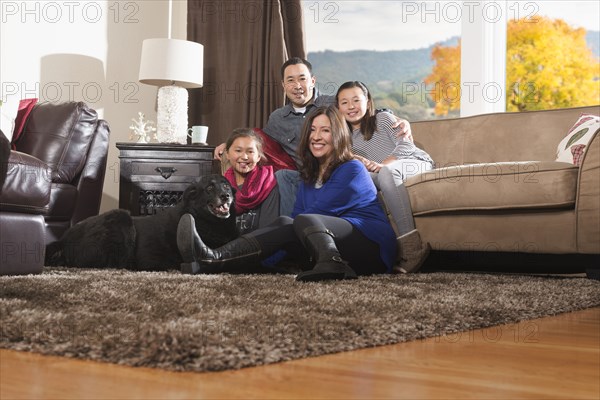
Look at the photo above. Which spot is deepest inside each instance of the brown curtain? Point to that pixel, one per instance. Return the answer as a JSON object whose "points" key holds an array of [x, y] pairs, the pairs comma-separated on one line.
{"points": [[245, 44]]}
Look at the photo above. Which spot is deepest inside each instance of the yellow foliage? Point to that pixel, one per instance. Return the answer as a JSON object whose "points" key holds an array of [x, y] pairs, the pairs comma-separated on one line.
{"points": [[443, 84], [548, 65]]}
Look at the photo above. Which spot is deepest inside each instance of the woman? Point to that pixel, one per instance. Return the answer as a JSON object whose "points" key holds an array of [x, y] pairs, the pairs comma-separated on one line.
{"points": [[338, 219], [256, 203], [390, 160]]}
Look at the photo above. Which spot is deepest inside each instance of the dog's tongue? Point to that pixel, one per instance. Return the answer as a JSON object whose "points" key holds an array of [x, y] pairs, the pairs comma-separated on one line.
{"points": [[224, 208]]}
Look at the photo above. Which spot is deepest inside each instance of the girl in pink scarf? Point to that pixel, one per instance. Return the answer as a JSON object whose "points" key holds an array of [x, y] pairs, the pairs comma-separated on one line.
{"points": [[256, 203]]}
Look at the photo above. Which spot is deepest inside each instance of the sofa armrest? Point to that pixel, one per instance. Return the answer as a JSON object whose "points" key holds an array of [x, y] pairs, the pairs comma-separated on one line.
{"points": [[91, 181], [27, 186], [587, 203]]}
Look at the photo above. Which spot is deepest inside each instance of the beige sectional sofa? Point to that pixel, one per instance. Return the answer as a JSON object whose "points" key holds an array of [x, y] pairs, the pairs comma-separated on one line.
{"points": [[498, 188]]}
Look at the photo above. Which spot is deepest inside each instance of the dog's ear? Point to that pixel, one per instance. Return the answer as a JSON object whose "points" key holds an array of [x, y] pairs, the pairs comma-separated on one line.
{"points": [[191, 192]]}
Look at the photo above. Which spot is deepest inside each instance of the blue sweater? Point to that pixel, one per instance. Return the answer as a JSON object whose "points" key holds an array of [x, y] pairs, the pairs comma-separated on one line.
{"points": [[350, 194]]}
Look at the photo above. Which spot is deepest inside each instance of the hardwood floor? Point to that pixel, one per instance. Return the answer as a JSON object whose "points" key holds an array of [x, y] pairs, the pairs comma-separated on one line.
{"points": [[550, 358]]}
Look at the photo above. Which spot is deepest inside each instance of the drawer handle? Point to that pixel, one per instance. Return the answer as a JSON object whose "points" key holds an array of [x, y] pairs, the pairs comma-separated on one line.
{"points": [[166, 172]]}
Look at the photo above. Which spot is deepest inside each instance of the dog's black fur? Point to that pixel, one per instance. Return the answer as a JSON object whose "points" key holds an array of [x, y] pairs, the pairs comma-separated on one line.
{"points": [[115, 239]]}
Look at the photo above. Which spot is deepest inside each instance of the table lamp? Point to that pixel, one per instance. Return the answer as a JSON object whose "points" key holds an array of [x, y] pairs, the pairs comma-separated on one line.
{"points": [[174, 65]]}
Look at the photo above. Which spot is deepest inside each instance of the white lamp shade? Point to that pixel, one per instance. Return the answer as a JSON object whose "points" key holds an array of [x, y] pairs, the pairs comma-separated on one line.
{"points": [[172, 62]]}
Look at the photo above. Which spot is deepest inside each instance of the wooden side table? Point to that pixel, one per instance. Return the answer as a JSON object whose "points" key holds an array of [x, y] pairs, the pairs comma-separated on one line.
{"points": [[153, 176]]}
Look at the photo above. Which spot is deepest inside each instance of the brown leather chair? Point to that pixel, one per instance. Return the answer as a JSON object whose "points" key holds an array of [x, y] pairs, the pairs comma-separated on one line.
{"points": [[54, 179]]}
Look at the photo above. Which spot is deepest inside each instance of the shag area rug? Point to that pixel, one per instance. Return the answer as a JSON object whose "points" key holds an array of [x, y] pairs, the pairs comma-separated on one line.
{"points": [[218, 322]]}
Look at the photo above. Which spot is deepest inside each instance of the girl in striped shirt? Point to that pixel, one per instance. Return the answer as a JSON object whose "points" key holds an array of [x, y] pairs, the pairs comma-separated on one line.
{"points": [[391, 158]]}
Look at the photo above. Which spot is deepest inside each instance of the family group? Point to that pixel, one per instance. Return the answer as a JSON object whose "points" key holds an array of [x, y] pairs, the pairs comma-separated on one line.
{"points": [[326, 213]]}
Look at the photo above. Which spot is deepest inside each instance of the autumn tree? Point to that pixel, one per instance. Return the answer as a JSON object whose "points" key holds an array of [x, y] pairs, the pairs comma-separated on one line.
{"points": [[548, 65], [443, 84]]}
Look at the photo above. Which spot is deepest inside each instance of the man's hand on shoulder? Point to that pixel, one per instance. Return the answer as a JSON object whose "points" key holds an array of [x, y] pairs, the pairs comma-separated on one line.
{"points": [[219, 151]]}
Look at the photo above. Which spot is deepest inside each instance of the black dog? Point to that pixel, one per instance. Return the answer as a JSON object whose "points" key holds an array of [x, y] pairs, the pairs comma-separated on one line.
{"points": [[115, 239]]}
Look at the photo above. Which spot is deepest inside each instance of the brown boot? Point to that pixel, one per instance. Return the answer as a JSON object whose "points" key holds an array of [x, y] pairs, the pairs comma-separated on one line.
{"points": [[412, 252]]}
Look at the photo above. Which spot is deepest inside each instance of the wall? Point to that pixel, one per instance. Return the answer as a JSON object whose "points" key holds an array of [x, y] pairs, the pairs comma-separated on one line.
{"points": [[85, 51]]}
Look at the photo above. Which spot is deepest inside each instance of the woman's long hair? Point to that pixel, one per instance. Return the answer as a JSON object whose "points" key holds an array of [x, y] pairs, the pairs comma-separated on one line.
{"points": [[342, 144], [368, 123]]}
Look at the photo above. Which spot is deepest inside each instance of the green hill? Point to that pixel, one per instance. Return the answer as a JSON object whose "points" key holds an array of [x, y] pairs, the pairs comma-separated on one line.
{"points": [[377, 69], [371, 67], [384, 72]]}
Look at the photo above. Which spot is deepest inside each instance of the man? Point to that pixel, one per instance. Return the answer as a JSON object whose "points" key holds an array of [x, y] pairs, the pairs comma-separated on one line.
{"points": [[285, 123]]}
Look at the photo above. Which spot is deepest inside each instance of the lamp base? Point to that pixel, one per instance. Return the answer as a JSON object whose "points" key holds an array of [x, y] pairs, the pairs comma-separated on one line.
{"points": [[172, 115]]}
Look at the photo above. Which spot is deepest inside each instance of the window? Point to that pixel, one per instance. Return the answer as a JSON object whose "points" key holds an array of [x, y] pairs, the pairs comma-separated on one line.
{"points": [[389, 46], [552, 55], [385, 44]]}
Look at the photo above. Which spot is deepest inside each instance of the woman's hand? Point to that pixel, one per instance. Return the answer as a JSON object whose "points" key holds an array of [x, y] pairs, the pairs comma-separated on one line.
{"points": [[371, 166]]}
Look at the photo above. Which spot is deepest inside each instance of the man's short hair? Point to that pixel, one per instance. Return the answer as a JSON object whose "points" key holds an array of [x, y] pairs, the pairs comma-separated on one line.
{"points": [[294, 61]]}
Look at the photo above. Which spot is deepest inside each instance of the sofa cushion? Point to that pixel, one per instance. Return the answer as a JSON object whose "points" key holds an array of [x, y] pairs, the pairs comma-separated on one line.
{"points": [[60, 135], [494, 186], [572, 147], [27, 185]]}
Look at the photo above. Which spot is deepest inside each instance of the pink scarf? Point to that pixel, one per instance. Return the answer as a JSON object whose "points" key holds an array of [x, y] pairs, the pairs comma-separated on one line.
{"points": [[257, 186]]}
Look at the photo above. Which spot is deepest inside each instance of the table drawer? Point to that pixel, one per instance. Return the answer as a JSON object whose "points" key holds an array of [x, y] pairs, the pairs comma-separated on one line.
{"points": [[167, 170]]}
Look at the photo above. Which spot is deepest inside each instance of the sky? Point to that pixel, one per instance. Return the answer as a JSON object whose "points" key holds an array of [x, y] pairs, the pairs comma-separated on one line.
{"points": [[344, 25]]}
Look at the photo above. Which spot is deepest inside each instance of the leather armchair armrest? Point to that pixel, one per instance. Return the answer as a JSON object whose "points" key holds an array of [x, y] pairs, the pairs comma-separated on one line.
{"points": [[27, 185], [91, 181], [587, 203]]}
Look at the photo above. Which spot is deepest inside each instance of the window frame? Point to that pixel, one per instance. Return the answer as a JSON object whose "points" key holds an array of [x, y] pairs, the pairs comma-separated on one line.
{"points": [[483, 57]]}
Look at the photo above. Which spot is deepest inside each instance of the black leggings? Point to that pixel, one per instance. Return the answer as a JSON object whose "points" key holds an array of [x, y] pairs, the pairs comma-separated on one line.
{"points": [[285, 233]]}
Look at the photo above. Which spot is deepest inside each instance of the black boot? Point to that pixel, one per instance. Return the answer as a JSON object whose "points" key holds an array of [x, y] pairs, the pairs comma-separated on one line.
{"points": [[329, 264], [200, 259]]}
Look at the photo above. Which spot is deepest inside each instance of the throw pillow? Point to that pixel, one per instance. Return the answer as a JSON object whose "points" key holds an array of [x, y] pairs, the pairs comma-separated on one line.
{"points": [[572, 147], [577, 151], [25, 108], [8, 112]]}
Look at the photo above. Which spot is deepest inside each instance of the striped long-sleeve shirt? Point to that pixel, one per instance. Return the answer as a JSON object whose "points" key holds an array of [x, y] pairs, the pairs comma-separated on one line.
{"points": [[384, 143]]}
